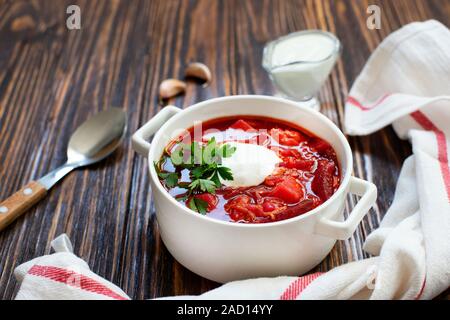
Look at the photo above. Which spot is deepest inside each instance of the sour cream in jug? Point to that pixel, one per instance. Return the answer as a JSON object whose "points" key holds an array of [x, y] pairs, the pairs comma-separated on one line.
{"points": [[300, 62]]}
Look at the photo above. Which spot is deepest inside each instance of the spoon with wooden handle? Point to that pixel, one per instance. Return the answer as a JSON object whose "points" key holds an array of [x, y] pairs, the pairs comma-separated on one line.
{"points": [[94, 140]]}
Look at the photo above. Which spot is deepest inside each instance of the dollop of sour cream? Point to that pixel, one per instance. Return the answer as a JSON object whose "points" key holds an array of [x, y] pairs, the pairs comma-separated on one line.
{"points": [[250, 164]]}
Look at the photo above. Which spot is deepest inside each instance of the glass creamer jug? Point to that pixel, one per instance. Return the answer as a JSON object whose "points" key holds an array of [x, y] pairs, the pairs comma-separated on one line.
{"points": [[299, 63]]}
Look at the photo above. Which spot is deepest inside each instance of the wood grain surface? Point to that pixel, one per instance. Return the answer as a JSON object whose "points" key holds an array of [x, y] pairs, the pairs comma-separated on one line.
{"points": [[52, 79]]}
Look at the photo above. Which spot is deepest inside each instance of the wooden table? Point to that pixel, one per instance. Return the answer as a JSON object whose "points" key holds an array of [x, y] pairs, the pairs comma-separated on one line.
{"points": [[52, 78]]}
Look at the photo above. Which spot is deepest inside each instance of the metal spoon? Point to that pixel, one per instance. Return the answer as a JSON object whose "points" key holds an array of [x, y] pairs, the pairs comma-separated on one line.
{"points": [[94, 140]]}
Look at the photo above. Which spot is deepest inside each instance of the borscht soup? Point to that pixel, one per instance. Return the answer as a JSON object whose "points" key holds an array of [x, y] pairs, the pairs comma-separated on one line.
{"points": [[249, 169]]}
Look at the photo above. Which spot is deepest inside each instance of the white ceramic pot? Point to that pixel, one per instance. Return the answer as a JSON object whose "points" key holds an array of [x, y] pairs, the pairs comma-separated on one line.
{"points": [[225, 251]]}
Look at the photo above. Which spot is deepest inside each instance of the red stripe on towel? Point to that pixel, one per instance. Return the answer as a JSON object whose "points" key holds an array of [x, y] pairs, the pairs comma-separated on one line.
{"points": [[74, 279], [356, 103], [298, 285], [421, 289], [427, 124]]}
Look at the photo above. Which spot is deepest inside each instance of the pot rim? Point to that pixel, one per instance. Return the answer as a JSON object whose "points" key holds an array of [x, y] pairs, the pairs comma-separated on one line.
{"points": [[192, 109]]}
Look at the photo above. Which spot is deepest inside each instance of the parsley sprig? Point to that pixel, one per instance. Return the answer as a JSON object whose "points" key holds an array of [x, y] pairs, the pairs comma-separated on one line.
{"points": [[199, 205], [204, 162]]}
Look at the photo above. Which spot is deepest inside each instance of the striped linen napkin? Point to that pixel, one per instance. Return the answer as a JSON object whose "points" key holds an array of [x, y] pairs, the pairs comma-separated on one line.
{"points": [[406, 83], [63, 276]]}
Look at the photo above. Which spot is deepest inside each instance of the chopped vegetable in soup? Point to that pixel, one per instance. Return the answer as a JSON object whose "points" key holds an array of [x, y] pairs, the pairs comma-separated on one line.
{"points": [[249, 169]]}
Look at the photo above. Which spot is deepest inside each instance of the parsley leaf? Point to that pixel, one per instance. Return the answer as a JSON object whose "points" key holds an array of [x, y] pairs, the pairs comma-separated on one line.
{"points": [[170, 178], [225, 173], [207, 185], [199, 205], [205, 170], [205, 167], [215, 178], [226, 150], [197, 172]]}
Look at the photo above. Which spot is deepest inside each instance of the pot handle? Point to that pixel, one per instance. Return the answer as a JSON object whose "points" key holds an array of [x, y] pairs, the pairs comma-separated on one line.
{"points": [[140, 137], [343, 230]]}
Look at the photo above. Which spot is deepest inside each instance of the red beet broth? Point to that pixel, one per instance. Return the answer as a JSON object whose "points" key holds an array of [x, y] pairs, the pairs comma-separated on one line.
{"points": [[307, 176]]}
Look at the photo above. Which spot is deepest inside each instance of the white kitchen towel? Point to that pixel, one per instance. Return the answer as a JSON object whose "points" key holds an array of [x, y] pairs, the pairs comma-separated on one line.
{"points": [[63, 276], [404, 83]]}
